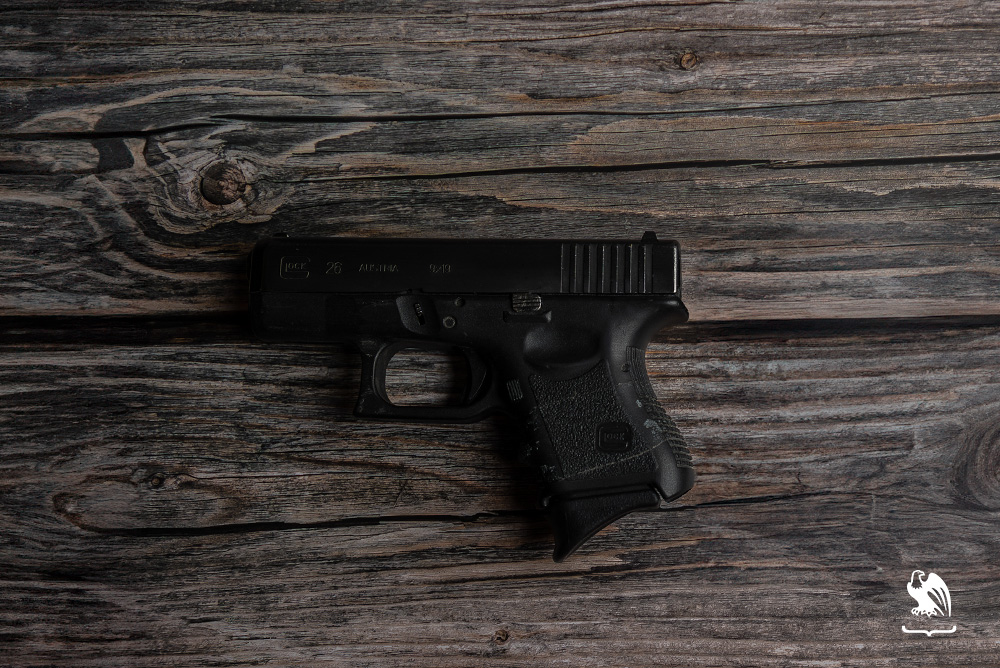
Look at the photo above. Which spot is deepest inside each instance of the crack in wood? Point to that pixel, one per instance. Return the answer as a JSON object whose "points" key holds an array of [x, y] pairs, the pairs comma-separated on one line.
{"points": [[257, 527]]}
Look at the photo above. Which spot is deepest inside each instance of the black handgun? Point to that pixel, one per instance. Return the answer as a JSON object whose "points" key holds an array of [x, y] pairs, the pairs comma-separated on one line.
{"points": [[554, 333]]}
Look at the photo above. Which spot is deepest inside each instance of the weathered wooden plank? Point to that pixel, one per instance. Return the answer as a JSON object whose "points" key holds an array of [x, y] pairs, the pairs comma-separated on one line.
{"points": [[777, 44], [343, 150], [758, 243], [721, 587], [273, 411], [143, 487]]}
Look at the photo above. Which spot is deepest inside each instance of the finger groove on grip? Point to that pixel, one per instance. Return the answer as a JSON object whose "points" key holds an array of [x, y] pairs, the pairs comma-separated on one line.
{"points": [[659, 422]]}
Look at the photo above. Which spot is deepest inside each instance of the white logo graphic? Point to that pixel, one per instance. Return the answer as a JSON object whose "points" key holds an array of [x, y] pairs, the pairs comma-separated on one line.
{"points": [[933, 600]]}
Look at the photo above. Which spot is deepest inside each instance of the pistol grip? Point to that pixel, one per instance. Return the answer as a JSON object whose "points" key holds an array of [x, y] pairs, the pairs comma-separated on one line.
{"points": [[607, 448]]}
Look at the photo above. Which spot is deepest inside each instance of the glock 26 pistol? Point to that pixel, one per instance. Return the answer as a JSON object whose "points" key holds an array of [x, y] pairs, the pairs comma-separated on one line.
{"points": [[554, 334]]}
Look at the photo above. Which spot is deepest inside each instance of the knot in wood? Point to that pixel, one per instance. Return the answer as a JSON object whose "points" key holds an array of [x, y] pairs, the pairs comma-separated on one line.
{"points": [[223, 183], [688, 61], [501, 636], [977, 464]]}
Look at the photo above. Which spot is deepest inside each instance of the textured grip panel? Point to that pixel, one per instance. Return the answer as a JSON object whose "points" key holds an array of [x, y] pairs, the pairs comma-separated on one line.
{"points": [[574, 412], [607, 448], [659, 422]]}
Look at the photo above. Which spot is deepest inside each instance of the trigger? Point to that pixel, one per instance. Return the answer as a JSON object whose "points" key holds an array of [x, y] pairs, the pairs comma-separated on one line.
{"points": [[478, 377]]}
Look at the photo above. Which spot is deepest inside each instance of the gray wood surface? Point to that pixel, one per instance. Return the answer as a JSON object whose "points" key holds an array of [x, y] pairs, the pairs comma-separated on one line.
{"points": [[173, 493]]}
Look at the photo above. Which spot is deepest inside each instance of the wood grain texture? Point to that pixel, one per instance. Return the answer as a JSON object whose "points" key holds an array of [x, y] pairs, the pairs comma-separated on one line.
{"points": [[173, 494], [781, 133], [222, 493]]}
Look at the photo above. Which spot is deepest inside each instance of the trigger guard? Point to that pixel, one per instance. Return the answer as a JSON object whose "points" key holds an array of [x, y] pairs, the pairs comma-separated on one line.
{"points": [[480, 398]]}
